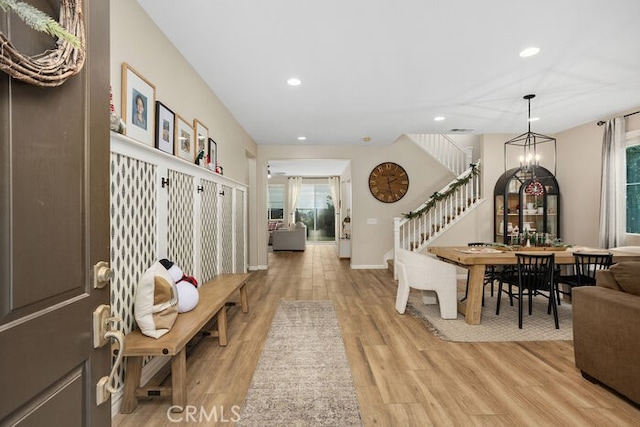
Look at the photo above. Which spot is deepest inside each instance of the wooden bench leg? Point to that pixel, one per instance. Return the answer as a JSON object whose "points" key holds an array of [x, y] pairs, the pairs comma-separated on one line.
{"points": [[131, 383], [179, 380], [244, 300], [222, 327]]}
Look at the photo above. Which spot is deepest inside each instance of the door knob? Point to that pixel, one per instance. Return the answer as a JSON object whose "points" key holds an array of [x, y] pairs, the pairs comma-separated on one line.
{"points": [[102, 274]]}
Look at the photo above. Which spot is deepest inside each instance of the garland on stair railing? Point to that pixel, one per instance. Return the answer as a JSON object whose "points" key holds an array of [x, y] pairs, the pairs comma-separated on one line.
{"points": [[436, 197]]}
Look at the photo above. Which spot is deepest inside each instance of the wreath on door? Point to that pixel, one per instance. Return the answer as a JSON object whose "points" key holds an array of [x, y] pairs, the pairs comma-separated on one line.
{"points": [[52, 67]]}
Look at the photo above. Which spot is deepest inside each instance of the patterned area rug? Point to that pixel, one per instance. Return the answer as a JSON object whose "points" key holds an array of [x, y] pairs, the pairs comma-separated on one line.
{"points": [[503, 327], [303, 376]]}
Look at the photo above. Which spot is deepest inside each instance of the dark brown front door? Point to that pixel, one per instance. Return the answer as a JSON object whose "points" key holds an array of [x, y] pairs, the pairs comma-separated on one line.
{"points": [[54, 226]]}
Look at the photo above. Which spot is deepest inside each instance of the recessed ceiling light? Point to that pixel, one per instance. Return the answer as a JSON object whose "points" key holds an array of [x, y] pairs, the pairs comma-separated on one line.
{"points": [[438, 118], [530, 51], [302, 138], [367, 139], [294, 81]]}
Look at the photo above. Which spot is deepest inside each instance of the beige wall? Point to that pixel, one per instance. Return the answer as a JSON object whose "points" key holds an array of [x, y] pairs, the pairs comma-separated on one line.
{"points": [[579, 174], [135, 39], [369, 242], [579, 154]]}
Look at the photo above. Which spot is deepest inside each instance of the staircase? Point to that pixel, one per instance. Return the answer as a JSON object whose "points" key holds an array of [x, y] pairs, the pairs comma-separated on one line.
{"points": [[443, 209], [445, 150]]}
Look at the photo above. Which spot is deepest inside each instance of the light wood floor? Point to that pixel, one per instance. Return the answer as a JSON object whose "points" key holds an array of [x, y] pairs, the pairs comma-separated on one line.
{"points": [[404, 375]]}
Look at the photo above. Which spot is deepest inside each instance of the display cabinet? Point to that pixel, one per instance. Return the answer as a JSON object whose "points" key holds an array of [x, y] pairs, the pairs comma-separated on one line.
{"points": [[527, 207]]}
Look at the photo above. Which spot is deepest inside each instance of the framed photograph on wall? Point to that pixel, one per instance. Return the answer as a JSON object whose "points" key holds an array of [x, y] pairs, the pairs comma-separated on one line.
{"points": [[165, 134], [138, 105], [202, 135], [213, 154], [185, 144]]}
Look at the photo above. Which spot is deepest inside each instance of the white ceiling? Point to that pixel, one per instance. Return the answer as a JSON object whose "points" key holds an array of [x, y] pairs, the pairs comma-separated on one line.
{"points": [[381, 68]]}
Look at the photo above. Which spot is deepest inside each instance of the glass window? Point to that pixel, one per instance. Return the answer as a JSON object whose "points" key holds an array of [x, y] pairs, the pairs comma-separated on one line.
{"points": [[315, 209], [275, 201], [633, 189]]}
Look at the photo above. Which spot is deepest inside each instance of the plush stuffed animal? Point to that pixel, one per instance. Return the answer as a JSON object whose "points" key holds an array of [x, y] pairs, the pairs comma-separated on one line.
{"points": [[187, 287]]}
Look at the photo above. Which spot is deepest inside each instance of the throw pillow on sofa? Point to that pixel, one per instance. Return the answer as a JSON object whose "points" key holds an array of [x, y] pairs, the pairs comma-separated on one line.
{"points": [[626, 274]]}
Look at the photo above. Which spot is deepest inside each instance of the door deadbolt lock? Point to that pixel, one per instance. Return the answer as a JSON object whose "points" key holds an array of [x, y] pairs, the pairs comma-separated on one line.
{"points": [[102, 275]]}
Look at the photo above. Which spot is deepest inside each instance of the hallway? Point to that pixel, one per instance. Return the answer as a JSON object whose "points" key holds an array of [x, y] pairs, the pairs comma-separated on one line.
{"points": [[403, 374]]}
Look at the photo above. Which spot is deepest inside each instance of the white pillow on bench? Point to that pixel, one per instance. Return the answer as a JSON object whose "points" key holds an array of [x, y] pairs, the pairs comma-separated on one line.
{"points": [[156, 303]]}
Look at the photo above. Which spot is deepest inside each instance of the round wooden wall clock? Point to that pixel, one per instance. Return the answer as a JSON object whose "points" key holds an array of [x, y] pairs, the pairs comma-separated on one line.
{"points": [[388, 182]]}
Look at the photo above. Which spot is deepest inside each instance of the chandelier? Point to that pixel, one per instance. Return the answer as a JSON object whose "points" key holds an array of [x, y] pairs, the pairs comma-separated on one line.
{"points": [[530, 148]]}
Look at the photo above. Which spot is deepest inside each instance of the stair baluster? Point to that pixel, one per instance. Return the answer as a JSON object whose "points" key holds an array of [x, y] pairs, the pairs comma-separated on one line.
{"points": [[438, 213]]}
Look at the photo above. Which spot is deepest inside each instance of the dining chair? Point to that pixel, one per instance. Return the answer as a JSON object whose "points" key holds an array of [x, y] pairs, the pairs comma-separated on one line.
{"points": [[534, 276], [584, 271], [491, 273], [436, 279]]}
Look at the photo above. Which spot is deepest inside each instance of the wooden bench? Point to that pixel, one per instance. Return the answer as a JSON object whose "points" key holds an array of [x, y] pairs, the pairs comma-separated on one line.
{"points": [[214, 295]]}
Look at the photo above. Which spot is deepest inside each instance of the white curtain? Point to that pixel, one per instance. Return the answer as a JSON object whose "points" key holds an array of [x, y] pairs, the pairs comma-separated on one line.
{"points": [[334, 187], [295, 183], [613, 187]]}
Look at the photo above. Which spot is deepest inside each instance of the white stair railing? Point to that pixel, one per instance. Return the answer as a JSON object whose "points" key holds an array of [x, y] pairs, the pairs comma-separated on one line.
{"points": [[441, 211], [445, 150]]}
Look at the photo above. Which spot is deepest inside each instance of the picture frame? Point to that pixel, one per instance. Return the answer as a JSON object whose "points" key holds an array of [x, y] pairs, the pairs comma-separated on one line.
{"points": [[201, 138], [165, 132], [213, 154], [184, 139], [138, 105]]}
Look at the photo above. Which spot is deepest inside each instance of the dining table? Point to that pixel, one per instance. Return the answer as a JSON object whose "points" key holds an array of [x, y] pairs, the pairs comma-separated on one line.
{"points": [[476, 259]]}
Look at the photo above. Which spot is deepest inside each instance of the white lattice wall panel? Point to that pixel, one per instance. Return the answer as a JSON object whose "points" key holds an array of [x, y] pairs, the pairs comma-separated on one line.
{"points": [[209, 232], [239, 220], [180, 221], [149, 221], [226, 238], [133, 234]]}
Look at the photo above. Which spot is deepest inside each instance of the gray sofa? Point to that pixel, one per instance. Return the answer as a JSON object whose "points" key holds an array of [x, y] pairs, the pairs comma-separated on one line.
{"points": [[285, 239]]}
